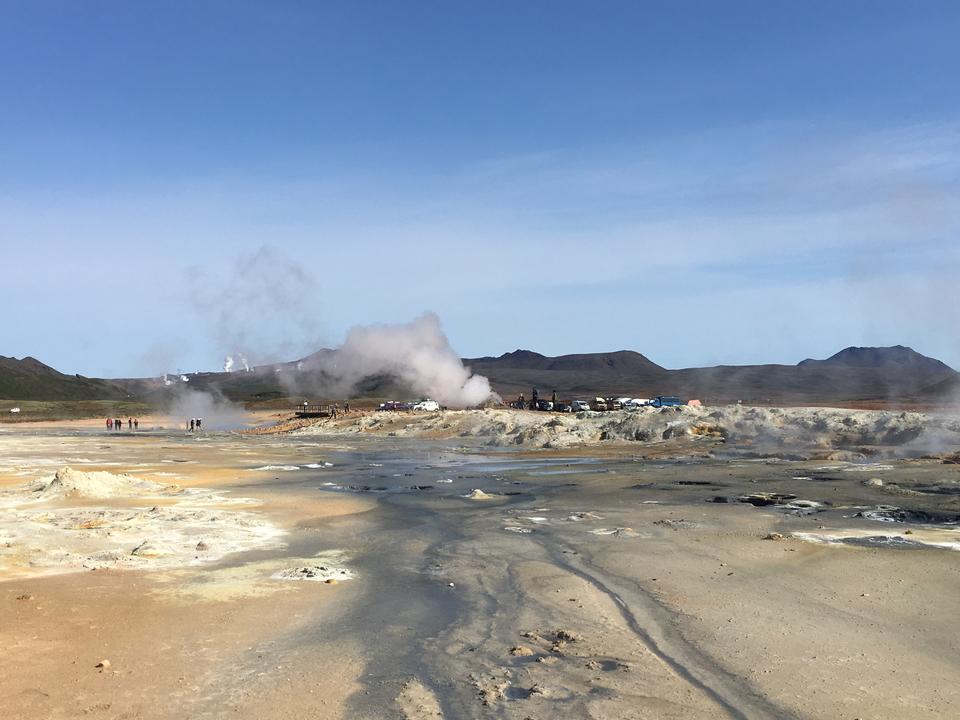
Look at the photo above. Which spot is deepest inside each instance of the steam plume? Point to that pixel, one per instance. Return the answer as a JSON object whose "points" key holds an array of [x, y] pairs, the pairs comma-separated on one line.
{"points": [[259, 309], [229, 362], [217, 412], [417, 354]]}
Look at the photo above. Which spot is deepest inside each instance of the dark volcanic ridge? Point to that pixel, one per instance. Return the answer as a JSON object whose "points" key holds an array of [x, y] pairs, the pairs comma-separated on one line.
{"points": [[855, 374], [897, 357], [30, 379], [878, 374]]}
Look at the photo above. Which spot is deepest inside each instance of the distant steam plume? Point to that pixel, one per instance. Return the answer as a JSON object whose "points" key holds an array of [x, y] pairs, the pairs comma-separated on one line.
{"points": [[216, 411], [263, 310], [229, 363]]}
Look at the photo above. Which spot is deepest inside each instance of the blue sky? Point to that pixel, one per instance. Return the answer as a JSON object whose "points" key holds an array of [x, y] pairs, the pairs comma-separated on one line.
{"points": [[703, 182]]}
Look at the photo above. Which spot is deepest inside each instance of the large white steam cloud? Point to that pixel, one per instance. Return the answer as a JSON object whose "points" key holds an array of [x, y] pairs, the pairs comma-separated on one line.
{"points": [[417, 354]]}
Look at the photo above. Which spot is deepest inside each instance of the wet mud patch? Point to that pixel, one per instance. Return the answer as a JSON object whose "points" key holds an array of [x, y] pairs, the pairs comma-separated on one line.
{"points": [[891, 514], [766, 499], [889, 541], [934, 539], [779, 502], [375, 489]]}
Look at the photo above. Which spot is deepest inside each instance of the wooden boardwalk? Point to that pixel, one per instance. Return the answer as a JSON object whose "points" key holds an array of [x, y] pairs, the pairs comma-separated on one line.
{"points": [[310, 411]]}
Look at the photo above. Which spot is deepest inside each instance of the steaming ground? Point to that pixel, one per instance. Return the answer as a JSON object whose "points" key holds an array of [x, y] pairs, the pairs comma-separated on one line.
{"points": [[729, 563], [827, 432]]}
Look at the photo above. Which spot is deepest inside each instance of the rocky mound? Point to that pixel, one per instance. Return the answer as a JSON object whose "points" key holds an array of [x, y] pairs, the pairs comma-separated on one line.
{"points": [[68, 482]]}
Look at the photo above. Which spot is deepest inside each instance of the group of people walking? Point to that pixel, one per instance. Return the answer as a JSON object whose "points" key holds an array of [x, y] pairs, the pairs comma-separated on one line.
{"points": [[117, 423], [194, 424]]}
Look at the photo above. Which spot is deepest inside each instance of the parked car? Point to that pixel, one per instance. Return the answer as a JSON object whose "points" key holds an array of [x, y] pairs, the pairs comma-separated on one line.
{"points": [[635, 403], [579, 406], [599, 404], [427, 406], [561, 407], [614, 404], [545, 405], [666, 401]]}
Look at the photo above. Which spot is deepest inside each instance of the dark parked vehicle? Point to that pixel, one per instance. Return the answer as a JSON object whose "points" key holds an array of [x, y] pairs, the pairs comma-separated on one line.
{"points": [[544, 405], [666, 401], [561, 407]]}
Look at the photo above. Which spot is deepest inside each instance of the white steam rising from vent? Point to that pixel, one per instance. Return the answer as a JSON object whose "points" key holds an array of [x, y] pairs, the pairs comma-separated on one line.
{"points": [[417, 354]]}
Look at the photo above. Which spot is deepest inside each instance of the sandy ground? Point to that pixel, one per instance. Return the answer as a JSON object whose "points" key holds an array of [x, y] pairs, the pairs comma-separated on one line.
{"points": [[147, 423], [169, 656], [172, 630], [674, 577]]}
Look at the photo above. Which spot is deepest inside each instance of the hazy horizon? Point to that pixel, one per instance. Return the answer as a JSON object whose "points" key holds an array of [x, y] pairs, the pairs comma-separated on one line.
{"points": [[175, 371]]}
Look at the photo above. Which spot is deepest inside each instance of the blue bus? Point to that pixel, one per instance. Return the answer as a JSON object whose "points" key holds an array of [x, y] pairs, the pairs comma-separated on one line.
{"points": [[666, 401]]}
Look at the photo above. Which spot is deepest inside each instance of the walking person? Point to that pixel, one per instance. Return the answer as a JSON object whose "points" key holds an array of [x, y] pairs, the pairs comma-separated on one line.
{"points": [[136, 423], [129, 423], [199, 422], [193, 424], [109, 423]]}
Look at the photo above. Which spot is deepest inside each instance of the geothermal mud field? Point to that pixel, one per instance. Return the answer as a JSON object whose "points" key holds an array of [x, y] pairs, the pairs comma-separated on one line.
{"points": [[389, 567]]}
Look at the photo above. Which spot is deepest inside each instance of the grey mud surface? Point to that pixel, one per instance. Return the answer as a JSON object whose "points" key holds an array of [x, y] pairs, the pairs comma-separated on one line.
{"points": [[451, 584]]}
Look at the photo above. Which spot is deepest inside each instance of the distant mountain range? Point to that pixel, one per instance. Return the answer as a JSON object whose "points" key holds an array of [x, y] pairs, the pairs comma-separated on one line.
{"points": [[855, 374]]}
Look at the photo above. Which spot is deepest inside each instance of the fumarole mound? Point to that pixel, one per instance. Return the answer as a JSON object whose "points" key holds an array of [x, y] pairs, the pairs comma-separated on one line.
{"points": [[805, 430], [68, 482]]}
